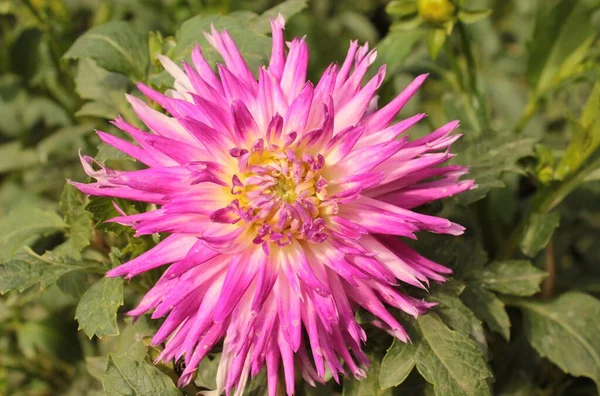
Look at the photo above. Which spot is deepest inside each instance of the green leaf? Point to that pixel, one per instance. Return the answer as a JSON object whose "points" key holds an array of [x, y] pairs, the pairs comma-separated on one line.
{"points": [[450, 360], [115, 46], [124, 376], [435, 42], [585, 136], [397, 364], [97, 309], [488, 157], [207, 373], [487, 307], [73, 283], [104, 89], [565, 330], [394, 48], [513, 277], [560, 40], [27, 269], [368, 386], [129, 343], [254, 47], [288, 9], [472, 16], [63, 143], [401, 8], [79, 221], [24, 225], [13, 156], [455, 313], [538, 232], [102, 209]]}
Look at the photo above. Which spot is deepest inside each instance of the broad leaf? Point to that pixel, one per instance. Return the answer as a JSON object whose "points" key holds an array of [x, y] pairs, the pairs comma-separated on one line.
{"points": [[288, 9], [24, 225], [207, 373], [97, 309], [450, 360], [538, 232], [73, 283], [79, 221], [125, 376], [455, 314], [115, 46], [368, 386], [105, 90], [27, 269], [514, 277], [565, 330], [13, 156], [254, 47], [397, 364], [488, 157], [487, 307]]}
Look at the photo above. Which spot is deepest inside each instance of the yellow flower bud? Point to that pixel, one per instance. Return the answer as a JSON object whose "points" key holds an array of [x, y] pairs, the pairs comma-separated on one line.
{"points": [[437, 11]]}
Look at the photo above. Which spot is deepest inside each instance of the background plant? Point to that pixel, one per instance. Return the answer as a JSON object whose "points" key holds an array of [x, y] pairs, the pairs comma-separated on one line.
{"points": [[521, 314]]}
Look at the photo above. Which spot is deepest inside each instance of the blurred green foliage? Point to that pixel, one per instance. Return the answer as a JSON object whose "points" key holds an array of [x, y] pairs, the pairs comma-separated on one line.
{"points": [[520, 317]]}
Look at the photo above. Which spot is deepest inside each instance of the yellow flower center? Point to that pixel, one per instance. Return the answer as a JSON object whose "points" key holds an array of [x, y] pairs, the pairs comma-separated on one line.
{"points": [[437, 11]]}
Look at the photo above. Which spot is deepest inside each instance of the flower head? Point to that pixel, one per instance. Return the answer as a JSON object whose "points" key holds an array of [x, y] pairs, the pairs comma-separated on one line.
{"points": [[284, 202]]}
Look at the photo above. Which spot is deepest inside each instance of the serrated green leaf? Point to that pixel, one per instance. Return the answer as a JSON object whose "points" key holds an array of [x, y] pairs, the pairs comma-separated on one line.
{"points": [[124, 376], [254, 47], [455, 313], [565, 330], [116, 46], [102, 209], [129, 343], [27, 268], [368, 386], [561, 37], [79, 221], [487, 307], [538, 233], [109, 153], [488, 157], [397, 364], [97, 309], [450, 360], [73, 283], [513, 277], [288, 9], [24, 225], [105, 90]]}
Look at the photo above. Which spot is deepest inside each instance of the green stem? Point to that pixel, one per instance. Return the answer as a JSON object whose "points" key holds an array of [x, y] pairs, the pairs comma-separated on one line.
{"points": [[532, 107], [480, 104]]}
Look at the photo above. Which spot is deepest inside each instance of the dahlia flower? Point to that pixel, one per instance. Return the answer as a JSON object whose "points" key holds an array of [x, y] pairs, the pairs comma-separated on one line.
{"points": [[284, 202]]}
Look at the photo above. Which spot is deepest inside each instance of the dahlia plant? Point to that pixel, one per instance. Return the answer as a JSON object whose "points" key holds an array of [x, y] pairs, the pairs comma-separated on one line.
{"points": [[284, 201]]}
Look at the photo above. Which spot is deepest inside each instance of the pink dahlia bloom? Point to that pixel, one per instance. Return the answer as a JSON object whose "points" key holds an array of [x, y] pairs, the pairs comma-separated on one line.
{"points": [[284, 202]]}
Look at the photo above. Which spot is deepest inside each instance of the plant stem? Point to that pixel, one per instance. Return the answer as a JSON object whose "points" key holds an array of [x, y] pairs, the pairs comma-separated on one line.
{"points": [[532, 107], [478, 98], [548, 285]]}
